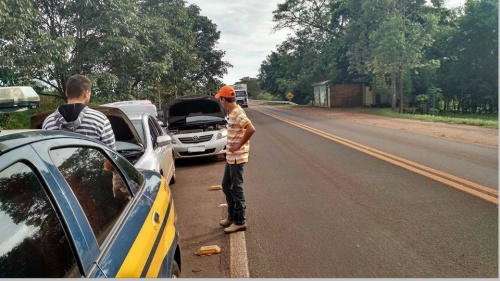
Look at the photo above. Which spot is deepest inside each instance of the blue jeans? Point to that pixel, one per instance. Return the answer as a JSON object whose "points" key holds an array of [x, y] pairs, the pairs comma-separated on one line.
{"points": [[232, 185]]}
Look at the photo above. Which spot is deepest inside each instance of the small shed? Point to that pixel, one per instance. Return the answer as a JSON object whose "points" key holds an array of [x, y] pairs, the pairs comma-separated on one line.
{"points": [[321, 94], [343, 95]]}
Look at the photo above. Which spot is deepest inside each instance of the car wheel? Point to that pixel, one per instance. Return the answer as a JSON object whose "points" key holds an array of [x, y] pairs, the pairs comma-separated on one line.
{"points": [[173, 179], [176, 272]]}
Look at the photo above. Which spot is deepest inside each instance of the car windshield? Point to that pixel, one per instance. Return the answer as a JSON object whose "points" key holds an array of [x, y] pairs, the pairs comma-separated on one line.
{"points": [[186, 120], [140, 130], [241, 93]]}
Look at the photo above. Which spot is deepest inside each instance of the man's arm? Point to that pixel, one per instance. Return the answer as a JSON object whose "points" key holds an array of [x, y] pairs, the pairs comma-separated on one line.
{"points": [[250, 129]]}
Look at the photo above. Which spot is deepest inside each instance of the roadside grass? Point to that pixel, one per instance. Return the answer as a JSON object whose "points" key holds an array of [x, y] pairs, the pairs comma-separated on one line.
{"points": [[485, 120], [22, 120]]}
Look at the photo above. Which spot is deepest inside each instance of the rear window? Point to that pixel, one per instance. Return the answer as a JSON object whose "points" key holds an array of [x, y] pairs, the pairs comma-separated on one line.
{"points": [[151, 109], [138, 127]]}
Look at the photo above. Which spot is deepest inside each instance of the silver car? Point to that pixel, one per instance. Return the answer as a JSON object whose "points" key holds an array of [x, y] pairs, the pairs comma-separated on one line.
{"points": [[158, 147], [157, 156], [197, 126]]}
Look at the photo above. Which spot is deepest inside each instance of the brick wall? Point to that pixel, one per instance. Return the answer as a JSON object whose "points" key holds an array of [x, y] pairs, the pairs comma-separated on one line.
{"points": [[346, 95]]}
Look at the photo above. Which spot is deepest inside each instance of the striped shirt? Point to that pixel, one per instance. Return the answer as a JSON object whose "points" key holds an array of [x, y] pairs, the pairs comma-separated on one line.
{"points": [[237, 121], [90, 122]]}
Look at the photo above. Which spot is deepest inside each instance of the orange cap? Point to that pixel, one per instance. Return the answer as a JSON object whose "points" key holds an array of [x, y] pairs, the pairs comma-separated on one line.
{"points": [[227, 92]]}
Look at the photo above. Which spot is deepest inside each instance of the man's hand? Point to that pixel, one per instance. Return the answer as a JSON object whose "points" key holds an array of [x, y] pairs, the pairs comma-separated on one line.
{"points": [[249, 130], [233, 147]]}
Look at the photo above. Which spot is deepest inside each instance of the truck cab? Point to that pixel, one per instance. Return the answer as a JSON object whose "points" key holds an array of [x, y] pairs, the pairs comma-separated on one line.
{"points": [[241, 94]]}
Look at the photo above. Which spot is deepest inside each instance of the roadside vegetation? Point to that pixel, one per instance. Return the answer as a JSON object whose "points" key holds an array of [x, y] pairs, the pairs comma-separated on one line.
{"points": [[432, 58], [485, 120], [154, 50], [21, 120]]}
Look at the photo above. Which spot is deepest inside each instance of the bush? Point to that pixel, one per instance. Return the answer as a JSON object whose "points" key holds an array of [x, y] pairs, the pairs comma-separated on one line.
{"points": [[433, 111], [265, 96]]}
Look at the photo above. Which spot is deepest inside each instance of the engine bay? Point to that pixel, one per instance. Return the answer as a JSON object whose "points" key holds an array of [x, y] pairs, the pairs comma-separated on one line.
{"points": [[196, 128]]}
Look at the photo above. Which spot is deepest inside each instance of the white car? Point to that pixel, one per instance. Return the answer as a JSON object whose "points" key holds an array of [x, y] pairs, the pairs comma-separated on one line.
{"points": [[135, 106], [197, 126]]}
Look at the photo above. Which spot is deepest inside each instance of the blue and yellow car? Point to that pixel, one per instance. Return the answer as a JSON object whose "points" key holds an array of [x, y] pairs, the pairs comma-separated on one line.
{"points": [[72, 207]]}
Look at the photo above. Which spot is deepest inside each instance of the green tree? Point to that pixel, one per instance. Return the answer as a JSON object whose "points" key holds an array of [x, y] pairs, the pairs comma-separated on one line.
{"points": [[154, 49], [49, 41], [475, 48], [212, 66], [390, 37], [316, 52]]}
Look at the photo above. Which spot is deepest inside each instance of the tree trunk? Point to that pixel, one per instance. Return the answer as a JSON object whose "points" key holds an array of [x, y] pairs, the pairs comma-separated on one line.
{"points": [[393, 85], [401, 91]]}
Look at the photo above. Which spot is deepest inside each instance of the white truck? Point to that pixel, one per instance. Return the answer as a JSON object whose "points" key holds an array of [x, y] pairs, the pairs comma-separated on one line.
{"points": [[241, 94]]}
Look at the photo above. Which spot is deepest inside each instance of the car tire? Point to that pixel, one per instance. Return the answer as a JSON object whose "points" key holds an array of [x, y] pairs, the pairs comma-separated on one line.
{"points": [[176, 272], [173, 179]]}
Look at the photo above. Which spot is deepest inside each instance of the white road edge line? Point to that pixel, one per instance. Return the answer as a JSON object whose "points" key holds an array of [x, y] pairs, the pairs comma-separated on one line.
{"points": [[238, 263]]}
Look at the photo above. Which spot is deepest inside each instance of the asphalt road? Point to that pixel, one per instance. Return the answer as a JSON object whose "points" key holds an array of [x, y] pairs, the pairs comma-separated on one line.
{"points": [[198, 215], [317, 208], [477, 163]]}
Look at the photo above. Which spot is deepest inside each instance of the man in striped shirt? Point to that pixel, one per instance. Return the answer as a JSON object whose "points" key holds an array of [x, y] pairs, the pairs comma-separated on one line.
{"points": [[239, 132], [76, 116]]}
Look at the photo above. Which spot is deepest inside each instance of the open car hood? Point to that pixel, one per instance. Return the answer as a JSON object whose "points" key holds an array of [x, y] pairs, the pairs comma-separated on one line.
{"points": [[188, 106], [122, 127]]}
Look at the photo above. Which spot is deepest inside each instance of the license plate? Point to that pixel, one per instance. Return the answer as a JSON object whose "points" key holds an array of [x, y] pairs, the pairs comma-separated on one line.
{"points": [[196, 149]]}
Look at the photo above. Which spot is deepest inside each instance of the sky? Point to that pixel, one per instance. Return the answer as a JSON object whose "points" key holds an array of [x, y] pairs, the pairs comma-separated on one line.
{"points": [[246, 32]]}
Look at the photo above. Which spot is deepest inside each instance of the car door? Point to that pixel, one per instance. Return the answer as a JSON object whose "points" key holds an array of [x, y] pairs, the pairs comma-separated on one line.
{"points": [[164, 152], [118, 205], [41, 237]]}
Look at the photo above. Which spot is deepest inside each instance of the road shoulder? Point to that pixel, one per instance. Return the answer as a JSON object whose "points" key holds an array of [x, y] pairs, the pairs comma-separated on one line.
{"points": [[199, 213]]}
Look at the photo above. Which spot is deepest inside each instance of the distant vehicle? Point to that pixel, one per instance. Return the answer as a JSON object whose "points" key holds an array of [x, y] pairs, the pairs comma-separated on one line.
{"points": [[135, 106], [241, 94], [72, 207], [13, 99], [139, 138], [197, 126]]}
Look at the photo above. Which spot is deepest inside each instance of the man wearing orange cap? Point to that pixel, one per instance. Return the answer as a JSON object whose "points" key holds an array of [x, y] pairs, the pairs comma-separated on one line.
{"points": [[239, 132]]}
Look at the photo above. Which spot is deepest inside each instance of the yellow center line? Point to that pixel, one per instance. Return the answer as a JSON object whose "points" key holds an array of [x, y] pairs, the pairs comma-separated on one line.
{"points": [[475, 189]]}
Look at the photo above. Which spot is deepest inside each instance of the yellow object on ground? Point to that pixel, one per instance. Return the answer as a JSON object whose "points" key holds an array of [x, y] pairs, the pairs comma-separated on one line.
{"points": [[208, 250], [215, 187]]}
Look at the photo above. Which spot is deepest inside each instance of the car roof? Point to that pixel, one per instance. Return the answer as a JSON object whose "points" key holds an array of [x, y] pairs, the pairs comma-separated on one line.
{"points": [[130, 102], [10, 139], [135, 106]]}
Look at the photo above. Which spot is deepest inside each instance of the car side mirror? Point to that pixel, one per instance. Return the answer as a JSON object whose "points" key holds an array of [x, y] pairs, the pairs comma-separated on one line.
{"points": [[164, 140]]}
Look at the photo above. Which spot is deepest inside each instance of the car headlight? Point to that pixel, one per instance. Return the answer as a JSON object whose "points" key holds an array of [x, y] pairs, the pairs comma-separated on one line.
{"points": [[222, 134], [173, 140]]}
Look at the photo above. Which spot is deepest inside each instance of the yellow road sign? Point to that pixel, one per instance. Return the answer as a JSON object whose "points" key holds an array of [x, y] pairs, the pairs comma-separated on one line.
{"points": [[289, 96]]}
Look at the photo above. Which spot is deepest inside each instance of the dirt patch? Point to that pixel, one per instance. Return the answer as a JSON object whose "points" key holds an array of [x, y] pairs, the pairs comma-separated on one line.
{"points": [[467, 133]]}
